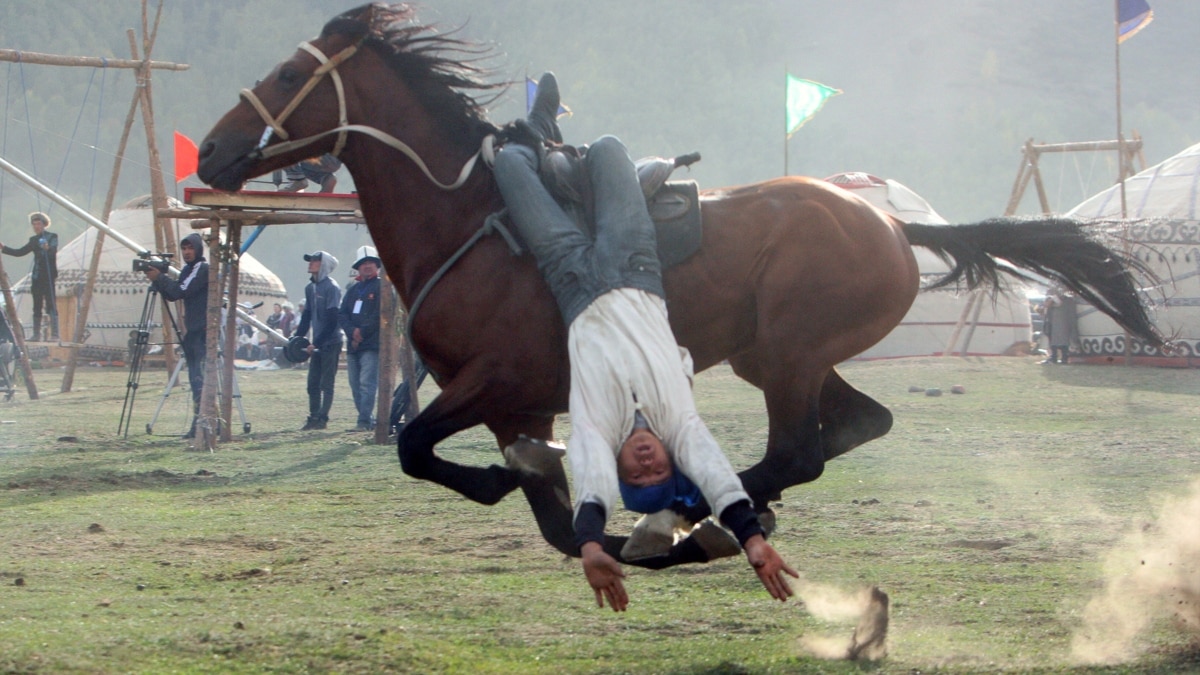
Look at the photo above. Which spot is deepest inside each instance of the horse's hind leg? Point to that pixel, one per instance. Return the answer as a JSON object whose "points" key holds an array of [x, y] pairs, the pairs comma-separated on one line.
{"points": [[794, 453], [849, 417]]}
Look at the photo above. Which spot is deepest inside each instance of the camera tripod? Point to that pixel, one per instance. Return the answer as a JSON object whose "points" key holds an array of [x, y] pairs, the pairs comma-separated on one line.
{"points": [[139, 342], [237, 390]]}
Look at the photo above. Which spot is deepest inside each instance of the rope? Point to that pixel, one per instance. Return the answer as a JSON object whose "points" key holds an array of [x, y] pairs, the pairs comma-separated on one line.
{"points": [[28, 125], [71, 142]]}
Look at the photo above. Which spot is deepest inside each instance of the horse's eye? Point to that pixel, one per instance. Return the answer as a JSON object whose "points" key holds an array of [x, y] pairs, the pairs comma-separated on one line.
{"points": [[288, 77]]}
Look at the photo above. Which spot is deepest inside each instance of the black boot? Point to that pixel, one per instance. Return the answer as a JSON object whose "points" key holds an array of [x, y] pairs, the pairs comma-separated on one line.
{"points": [[543, 114], [309, 424]]}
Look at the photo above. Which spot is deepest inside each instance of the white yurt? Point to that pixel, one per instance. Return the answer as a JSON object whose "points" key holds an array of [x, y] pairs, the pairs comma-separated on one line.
{"points": [[119, 296], [1163, 228], [943, 320]]}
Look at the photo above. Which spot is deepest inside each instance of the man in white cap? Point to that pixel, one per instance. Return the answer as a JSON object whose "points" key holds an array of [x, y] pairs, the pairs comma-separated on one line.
{"points": [[359, 319], [322, 297]]}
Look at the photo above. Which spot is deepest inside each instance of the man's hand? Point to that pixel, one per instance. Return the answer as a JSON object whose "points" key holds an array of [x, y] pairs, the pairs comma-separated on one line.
{"points": [[310, 349], [604, 575], [769, 567], [152, 273], [357, 337]]}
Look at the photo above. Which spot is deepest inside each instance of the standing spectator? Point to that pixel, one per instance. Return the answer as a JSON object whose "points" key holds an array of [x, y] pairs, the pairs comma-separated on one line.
{"points": [[359, 319], [192, 288], [322, 298], [44, 247], [287, 322], [275, 317], [1061, 325]]}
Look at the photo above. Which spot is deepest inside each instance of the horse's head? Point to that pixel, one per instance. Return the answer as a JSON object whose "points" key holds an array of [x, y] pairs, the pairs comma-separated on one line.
{"points": [[281, 120], [340, 78]]}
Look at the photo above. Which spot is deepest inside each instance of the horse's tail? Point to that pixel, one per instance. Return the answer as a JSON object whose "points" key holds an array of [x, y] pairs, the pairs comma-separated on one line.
{"points": [[1059, 249]]}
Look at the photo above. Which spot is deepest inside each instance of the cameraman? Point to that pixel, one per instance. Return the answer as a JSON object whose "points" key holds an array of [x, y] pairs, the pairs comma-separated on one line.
{"points": [[44, 247], [192, 288]]}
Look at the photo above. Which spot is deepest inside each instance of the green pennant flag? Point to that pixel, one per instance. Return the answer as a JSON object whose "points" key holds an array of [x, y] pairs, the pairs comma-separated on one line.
{"points": [[804, 99]]}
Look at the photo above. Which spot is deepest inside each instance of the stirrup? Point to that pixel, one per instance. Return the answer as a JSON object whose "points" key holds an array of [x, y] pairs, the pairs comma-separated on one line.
{"points": [[533, 456]]}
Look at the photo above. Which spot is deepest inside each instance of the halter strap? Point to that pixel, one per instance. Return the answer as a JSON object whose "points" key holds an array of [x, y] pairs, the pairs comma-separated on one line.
{"points": [[328, 67]]}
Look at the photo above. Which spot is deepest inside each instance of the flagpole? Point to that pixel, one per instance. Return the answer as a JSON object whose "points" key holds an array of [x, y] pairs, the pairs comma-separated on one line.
{"points": [[785, 119], [1121, 169]]}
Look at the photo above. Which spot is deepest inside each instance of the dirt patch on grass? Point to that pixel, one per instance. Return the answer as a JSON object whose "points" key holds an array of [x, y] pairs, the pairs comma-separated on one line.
{"points": [[107, 480]]}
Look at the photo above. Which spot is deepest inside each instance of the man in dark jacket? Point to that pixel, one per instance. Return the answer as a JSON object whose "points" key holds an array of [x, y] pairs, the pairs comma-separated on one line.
{"points": [[192, 288], [44, 247], [359, 319], [322, 299]]}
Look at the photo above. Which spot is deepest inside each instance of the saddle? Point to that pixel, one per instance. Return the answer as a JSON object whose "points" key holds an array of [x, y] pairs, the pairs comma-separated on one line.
{"points": [[674, 206]]}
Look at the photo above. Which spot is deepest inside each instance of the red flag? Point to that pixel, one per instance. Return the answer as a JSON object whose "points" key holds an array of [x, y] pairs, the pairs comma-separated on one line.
{"points": [[187, 157]]}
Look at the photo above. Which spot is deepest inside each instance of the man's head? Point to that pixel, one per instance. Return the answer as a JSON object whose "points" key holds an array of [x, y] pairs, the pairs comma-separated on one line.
{"points": [[314, 262], [39, 221], [643, 460], [191, 248], [368, 263]]}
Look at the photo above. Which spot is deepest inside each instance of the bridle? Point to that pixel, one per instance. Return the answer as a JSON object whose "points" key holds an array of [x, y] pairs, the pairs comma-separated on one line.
{"points": [[493, 224], [329, 67]]}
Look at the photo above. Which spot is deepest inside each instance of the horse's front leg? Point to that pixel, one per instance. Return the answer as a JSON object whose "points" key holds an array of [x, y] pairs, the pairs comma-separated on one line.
{"points": [[461, 405]]}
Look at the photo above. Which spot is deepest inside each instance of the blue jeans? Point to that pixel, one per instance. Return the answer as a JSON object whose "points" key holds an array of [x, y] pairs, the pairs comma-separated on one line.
{"points": [[578, 268], [363, 369]]}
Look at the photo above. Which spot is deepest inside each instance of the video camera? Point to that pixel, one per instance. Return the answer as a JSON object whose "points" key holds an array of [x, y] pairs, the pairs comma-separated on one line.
{"points": [[158, 261]]}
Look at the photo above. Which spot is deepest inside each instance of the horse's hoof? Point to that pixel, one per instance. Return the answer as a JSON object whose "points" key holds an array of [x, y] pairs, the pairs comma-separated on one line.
{"points": [[652, 536], [533, 456], [716, 541]]}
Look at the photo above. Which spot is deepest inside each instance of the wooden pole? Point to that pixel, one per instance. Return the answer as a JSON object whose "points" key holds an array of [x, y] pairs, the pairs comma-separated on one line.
{"points": [[158, 191], [97, 250], [233, 274], [18, 334], [388, 358], [17, 56], [206, 426]]}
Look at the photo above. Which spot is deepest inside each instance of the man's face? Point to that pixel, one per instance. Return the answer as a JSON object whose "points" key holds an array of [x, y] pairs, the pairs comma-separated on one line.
{"points": [[368, 270], [643, 460], [314, 266], [39, 226], [188, 252]]}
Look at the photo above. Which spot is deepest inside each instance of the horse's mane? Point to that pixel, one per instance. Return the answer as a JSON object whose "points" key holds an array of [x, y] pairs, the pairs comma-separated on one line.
{"points": [[440, 68]]}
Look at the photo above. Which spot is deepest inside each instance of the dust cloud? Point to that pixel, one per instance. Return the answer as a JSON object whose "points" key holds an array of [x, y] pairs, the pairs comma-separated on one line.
{"points": [[868, 606], [1152, 574]]}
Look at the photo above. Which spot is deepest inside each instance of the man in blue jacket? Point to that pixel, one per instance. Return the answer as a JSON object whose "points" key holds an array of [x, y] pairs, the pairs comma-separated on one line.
{"points": [[359, 319], [322, 299], [192, 288]]}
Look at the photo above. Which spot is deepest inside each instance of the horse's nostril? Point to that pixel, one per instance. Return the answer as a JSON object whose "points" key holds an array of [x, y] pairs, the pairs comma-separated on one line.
{"points": [[207, 149]]}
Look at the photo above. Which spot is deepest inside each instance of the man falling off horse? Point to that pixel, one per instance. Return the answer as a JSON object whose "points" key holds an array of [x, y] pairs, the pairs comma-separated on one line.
{"points": [[635, 430]]}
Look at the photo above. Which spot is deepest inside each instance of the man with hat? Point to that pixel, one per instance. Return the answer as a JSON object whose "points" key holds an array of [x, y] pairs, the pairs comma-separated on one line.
{"points": [[44, 247], [635, 433], [359, 319], [322, 298]]}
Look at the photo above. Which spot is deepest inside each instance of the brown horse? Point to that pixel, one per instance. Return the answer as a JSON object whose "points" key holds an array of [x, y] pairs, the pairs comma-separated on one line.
{"points": [[794, 275]]}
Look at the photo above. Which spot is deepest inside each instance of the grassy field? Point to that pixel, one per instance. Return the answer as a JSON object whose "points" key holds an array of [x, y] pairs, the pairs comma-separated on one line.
{"points": [[997, 521]]}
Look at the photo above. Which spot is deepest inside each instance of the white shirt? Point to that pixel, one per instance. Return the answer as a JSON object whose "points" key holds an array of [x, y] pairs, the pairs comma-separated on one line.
{"points": [[624, 358]]}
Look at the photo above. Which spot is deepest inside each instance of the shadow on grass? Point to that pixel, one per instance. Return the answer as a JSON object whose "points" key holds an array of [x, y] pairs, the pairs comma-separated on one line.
{"points": [[96, 476]]}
